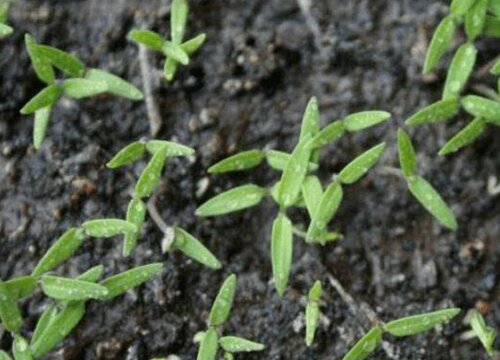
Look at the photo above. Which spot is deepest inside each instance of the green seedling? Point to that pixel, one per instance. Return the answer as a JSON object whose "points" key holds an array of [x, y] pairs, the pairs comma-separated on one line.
{"points": [[312, 312], [79, 83], [5, 29], [484, 333], [406, 326], [420, 188], [161, 151], [298, 186], [176, 50], [210, 340]]}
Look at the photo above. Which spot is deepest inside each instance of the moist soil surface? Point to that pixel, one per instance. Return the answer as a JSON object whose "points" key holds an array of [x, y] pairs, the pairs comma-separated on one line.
{"points": [[247, 88]]}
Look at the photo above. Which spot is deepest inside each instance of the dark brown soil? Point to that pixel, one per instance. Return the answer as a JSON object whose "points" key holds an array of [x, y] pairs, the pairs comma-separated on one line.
{"points": [[247, 89]]}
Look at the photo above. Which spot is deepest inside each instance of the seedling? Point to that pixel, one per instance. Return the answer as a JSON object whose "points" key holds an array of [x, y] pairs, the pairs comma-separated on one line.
{"points": [[161, 151], [80, 83], [298, 187], [312, 312], [406, 326], [176, 50], [480, 18], [5, 29], [484, 333], [210, 340], [420, 188]]}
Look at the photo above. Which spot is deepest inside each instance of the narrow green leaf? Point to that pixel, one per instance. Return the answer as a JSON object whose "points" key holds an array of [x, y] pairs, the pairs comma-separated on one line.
{"points": [[223, 302], [91, 275], [178, 18], [62, 60], [21, 287], [107, 227], [48, 96], [310, 120], [241, 161], [169, 69], [21, 349], [9, 311], [71, 289], [193, 44], [48, 315], [57, 329], [175, 52], [121, 283], [353, 171], [441, 40], [173, 148], [366, 345], [294, 173], [5, 30], [235, 344], [115, 84], [495, 69], [438, 111], [492, 26], [148, 38], [315, 292], [312, 191], [432, 201], [82, 88], [312, 319], [365, 119], [464, 137], [332, 132], [459, 71], [278, 160], [4, 355], [236, 199], [415, 324], [324, 212], [42, 118], [475, 18], [460, 7], [151, 174], [42, 67], [407, 157], [136, 213], [281, 251], [60, 251], [482, 107], [193, 248], [485, 333], [209, 345], [130, 153]]}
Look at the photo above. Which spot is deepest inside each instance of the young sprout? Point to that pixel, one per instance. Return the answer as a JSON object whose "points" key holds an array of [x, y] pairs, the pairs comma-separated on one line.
{"points": [[312, 312], [176, 50], [406, 326], [79, 83], [297, 188], [5, 29], [210, 340], [422, 190], [161, 151], [484, 333]]}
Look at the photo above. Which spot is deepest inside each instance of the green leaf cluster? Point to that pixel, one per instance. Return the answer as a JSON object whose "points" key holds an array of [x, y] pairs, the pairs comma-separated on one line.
{"points": [[176, 50], [406, 326], [211, 339], [78, 83], [484, 333], [298, 187]]}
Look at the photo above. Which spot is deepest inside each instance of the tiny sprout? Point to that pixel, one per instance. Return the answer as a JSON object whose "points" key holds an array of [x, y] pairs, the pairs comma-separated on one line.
{"points": [[440, 43], [420, 188], [312, 312], [464, 137], [460, 70], [242, 161], [81, 83], [175, 50], [484, 333], [210, 341], [406, 326], [71, 289], [108, 227], [439, 111], [281, 251]]}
